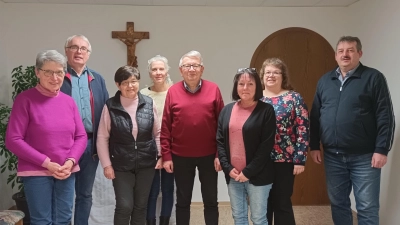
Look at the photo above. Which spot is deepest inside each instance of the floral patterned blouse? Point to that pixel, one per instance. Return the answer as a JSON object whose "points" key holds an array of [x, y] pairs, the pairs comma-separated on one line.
{"points": [[292, 122]]}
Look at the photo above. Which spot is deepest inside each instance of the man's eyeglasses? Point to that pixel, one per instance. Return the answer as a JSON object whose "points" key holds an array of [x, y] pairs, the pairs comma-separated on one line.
{"points": [[49, 73], [75, 48], [272, 74], [127, 83], [188, 66], [244, 70]]}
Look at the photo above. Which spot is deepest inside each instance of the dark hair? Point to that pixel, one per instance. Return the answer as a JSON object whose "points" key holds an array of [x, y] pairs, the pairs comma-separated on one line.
{"points": [[125, 72], [278, 63], [253, 74], [350, 39]]}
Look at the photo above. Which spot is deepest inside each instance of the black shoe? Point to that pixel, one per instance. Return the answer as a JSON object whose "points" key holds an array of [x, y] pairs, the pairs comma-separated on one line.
{"points": [[164, 220], [151, 222]]}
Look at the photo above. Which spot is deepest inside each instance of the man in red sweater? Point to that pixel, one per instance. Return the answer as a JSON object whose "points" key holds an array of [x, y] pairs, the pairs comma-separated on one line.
{"points": [[188, 138]]}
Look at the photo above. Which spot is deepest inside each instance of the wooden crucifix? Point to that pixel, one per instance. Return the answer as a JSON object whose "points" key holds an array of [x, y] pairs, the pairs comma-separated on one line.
{"points": [[130, 37]]}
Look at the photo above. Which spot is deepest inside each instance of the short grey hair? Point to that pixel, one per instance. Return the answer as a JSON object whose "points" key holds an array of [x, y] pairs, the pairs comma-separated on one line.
{"points": [[160, 58], [50, 56], [350, 39], [192, 54], [156, 59], [78, 36]]}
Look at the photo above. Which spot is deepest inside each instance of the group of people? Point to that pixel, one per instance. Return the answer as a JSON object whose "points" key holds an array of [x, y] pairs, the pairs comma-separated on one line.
{"points": [[159, 135]]}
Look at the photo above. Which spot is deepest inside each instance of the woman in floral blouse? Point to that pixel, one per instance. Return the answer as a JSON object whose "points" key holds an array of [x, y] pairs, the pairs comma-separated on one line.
{"points": [[291, 139]]}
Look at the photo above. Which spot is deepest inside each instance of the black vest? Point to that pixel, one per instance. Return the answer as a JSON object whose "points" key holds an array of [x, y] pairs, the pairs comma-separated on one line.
{"points": [[126, 153]]}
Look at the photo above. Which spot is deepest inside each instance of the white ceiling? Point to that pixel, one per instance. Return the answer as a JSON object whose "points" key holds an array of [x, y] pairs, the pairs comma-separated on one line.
{"points": [[223, 3]]}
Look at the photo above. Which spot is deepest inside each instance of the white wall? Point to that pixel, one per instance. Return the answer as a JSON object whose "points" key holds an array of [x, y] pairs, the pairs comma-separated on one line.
{"points": [[227, 37], [377, 25], [5, 190]]}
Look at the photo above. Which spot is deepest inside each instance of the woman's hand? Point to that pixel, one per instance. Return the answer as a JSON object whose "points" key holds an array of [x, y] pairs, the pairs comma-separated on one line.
{"points": [[159, 164], [109, 172], [234, 173], [241, 178], [57, 171], [298, 169]]}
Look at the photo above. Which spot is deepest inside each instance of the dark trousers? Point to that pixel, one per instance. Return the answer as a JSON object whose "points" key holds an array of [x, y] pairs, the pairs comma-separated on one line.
{"points": [[185, 172], [167, 189], [279, 202], [132, 190]]}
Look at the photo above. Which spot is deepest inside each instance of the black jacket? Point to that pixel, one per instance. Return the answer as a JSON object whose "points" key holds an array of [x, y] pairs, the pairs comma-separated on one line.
{"points": [[356, 118], [259, 139], [127, 153]]}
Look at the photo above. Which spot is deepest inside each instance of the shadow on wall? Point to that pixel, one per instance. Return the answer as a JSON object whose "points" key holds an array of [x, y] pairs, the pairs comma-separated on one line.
{"points": [[390, 194]]}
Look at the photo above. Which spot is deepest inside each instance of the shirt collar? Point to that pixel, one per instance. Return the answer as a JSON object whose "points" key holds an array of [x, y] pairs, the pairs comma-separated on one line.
{"points": [[71, 71], [188, 88], [349, 73]]}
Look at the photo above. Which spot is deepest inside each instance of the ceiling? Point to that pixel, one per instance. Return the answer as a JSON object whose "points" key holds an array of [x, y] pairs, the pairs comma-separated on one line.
{"points": [[211, 3]]}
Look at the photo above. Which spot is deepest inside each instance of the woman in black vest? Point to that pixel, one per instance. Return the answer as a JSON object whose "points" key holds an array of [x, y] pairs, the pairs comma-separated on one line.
{"points": [[128, 143]]}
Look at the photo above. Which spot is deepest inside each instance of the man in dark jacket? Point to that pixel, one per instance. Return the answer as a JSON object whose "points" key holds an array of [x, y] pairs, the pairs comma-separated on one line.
{"points": [[88, 89], [352, 117]]}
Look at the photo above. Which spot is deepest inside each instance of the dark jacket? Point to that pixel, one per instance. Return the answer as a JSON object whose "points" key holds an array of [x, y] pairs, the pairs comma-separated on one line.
{"points": [[356, 118], [98, 97], [127, 153], [259, 139]]}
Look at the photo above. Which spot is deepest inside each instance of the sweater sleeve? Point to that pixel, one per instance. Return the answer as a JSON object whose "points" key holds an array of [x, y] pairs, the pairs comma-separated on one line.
{"points": [[314, 120], [218, 107], [80, 138], [103, 138], [166, 127], [222, 143], [301, 127], [16, 131], [156, 129], [384, 115]]}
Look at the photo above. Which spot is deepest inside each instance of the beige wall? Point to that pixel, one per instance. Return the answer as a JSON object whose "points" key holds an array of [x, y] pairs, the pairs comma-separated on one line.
{"points": [[377, 25], [226, 37]]}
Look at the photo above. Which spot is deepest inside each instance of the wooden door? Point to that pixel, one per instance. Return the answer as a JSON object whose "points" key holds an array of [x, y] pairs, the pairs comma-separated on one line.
{"points": [[308, 56]]}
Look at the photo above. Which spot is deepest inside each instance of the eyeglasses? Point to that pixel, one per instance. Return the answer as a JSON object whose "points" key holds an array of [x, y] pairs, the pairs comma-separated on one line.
{"points": [[188, 66], [244, 70], [272, 74], [127, 83], [49, 73], [75, 48]]}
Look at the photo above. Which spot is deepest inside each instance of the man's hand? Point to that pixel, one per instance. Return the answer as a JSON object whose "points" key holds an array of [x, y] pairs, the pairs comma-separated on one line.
{"points": [[109, 172], [217, 165], [316, 156], [378, 160], [168, 166], [298, 169]]}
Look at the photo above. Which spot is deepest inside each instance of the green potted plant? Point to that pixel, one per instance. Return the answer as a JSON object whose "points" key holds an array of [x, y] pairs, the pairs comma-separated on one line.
{"points": [[22, 79]]}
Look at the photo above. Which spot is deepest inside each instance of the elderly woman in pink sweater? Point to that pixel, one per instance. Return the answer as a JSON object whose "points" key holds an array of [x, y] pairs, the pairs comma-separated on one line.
{"points": [[46, 133]]}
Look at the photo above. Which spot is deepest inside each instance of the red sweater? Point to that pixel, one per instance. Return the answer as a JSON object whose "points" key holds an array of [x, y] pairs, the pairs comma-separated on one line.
{"points": [[189, 122]]}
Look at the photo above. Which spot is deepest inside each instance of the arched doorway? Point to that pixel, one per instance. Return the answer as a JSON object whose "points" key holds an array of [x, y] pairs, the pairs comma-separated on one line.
{"points": [[308, 56]]}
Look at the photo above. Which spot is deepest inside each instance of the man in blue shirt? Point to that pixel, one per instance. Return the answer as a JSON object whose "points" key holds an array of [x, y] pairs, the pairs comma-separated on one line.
{"points": [[88, 89]]}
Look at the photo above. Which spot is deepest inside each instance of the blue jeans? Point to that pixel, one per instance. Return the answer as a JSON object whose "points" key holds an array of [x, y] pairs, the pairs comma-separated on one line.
{"points": [[347, 171], [49, 200], [84, 185], [258, 200], [167, 189]]}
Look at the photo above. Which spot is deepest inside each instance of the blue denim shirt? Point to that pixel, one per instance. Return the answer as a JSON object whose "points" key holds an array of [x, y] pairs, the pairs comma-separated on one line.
{"points": [[81, 95]]}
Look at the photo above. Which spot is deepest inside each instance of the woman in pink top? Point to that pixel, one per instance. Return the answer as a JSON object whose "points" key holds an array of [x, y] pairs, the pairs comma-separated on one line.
{"points": [[46, 133], [245, 138], [128, 145]]}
